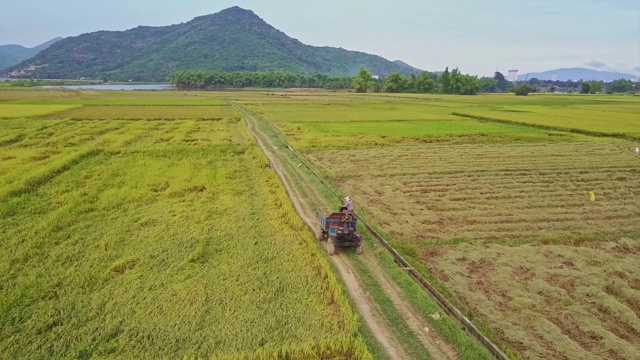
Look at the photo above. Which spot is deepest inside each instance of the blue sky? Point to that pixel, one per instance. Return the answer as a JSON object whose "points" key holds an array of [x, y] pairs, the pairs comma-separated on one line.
{"points": [[479, 37]]}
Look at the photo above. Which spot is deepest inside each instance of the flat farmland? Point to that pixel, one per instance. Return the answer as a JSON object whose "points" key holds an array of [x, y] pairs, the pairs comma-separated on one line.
{"points": [[133, 237], [498, 212], [493, 192]]}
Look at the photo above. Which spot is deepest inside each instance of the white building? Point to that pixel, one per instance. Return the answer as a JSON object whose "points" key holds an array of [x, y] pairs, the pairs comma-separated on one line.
{"points": [[513, 75]]}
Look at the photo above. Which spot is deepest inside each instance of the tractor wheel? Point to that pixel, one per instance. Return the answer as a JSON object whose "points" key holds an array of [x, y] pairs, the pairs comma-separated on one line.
{"points": [[359, 249], [331, 248]]}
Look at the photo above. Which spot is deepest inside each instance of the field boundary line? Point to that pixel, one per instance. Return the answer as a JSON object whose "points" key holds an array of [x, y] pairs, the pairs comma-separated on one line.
{"points": [[546, 127], [429, 288]]}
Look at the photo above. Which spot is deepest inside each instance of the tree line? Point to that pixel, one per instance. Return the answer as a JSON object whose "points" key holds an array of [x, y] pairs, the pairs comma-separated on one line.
{"points": [[447, 82], [202, 79]]}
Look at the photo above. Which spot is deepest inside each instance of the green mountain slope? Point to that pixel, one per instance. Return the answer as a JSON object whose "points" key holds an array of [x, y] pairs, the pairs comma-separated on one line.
{"points": [[13, 54], [230, 40]]}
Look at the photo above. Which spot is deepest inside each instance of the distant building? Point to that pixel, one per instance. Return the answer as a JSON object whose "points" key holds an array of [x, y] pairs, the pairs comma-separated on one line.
{"points": [[513, 75], [554, 77]]}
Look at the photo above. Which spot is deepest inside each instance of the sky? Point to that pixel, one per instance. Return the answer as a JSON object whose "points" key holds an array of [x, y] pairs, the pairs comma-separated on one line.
{"points": [[477, 36]]}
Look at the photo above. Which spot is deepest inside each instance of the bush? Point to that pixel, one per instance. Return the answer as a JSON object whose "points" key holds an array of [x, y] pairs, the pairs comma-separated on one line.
{"points": [[523, 90]]}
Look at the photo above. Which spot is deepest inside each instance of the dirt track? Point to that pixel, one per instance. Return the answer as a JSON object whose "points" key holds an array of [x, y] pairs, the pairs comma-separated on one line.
{"points": [[371, 314]]}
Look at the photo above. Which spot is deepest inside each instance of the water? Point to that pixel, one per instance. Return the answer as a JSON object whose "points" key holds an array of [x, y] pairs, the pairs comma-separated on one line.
{"points": [[111, 87]]}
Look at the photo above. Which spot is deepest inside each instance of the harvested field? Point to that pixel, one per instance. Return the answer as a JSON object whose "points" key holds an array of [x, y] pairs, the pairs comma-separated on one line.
{"points": [[493, 192], [500, 217], [550, 301]]}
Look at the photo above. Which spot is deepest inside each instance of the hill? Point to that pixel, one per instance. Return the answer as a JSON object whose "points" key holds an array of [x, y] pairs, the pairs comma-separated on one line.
{"points": [[576, 74], [233, 39], [14, 54], [407, 66]]}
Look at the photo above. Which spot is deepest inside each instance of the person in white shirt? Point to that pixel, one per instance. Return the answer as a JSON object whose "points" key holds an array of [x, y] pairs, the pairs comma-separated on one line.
{"points": [[348, 205]]}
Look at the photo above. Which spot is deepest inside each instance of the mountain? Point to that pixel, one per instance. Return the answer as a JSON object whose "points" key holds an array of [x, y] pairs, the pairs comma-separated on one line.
{"points": [[407, 66], [13, 54], [576, 74], [233, 39]]}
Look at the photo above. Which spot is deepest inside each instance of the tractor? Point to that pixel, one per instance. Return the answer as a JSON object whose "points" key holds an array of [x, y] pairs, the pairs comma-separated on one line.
{"points": [[339, 230]]}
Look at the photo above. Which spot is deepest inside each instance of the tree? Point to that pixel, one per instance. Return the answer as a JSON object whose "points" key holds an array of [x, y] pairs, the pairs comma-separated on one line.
{"points": [[461, 84], [488, 84], [620, 86], [412, 79], [523, 90], [445, 81], [585, 87], [363, 80], [424, 83], [502, 83], [595, 87], [395, 83], [378, 85], [534, 82]]}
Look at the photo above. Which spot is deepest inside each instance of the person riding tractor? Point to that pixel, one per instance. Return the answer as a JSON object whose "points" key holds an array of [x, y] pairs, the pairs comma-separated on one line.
{"points": [[347, 209]]}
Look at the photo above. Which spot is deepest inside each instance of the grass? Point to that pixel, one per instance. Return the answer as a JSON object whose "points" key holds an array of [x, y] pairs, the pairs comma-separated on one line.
{"points": [[474, 206], [154, 239]]}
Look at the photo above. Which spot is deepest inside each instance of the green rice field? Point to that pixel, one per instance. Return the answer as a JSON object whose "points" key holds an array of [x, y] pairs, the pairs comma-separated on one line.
{"points": [[150, 231]]}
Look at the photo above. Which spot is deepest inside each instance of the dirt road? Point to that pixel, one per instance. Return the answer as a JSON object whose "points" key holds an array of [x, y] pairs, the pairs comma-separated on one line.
{"points": [[305, 197]]}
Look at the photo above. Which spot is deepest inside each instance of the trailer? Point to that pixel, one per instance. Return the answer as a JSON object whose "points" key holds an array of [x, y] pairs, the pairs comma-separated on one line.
{"points": [[339, 230]]}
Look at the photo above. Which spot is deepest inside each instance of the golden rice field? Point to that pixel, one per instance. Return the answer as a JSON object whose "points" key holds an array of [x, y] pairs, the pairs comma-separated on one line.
{"points": [[146, 112], [8, 111], [493, 192], [497, 212], [144, 238]]}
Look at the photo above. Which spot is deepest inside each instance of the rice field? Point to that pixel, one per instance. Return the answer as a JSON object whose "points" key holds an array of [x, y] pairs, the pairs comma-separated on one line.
{"points": [[519, 192], [8, 111], [496, 206], [128, 235]]}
